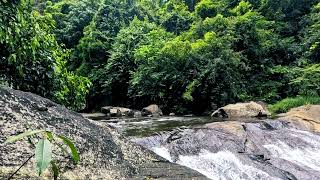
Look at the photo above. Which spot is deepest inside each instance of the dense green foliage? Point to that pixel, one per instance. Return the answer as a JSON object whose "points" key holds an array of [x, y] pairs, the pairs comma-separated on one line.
{"points": [[185, 55], [32, 60]]}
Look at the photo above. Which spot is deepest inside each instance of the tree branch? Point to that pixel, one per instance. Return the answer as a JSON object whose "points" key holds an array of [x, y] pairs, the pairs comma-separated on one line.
{"points": [[20, 167]]}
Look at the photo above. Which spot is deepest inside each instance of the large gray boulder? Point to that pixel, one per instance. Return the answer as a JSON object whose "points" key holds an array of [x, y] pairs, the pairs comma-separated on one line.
{"points": [[104, 154], [250, 109]]}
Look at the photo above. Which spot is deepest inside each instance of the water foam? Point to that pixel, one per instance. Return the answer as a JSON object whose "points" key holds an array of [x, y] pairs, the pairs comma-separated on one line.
{"points": [[163, 152], [303, 156], [303, 150], [223, 165]]}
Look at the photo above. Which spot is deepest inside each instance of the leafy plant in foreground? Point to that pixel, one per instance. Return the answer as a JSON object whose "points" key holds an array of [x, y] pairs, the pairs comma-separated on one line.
{"points": [[44, 149]]}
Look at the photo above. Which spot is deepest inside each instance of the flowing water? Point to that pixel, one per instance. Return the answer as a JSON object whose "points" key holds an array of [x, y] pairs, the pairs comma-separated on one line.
{"points": [[257, 149], [143, 127]]}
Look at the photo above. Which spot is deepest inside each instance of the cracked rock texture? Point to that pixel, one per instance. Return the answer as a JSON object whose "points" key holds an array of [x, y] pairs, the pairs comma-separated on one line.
{"points": [[104, 154]]}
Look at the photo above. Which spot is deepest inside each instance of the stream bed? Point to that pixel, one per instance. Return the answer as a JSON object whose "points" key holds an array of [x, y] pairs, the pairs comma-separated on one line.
{"points": [[219, 149]]}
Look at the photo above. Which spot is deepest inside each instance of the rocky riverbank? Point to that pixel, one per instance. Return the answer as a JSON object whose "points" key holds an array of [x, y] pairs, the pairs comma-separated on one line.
{"points": [[284, 148], [104, 153], [240, 146]]}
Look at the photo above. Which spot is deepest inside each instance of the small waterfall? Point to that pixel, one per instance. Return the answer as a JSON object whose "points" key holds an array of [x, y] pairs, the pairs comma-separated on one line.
{"points": [[305, 156], [276, 152], [223, 165]]}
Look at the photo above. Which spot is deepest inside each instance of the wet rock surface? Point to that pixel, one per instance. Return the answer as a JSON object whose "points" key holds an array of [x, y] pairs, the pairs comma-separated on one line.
{"points": [[104, 153], [261, 149]]}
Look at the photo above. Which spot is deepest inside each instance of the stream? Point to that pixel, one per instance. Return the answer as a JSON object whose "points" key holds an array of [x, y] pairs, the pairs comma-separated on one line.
{"points": [[230, 150]]}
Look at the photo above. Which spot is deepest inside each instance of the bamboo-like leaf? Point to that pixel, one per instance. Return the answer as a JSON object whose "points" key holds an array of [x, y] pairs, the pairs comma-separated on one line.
{"points": [[43, 155], [12, 139], [55, 170], [74, 153]]}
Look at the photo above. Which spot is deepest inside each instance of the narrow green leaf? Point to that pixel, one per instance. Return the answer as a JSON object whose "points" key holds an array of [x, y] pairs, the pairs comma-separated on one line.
{"points": [[12, 139], [55, 170], [43, 155], [74, 153]]}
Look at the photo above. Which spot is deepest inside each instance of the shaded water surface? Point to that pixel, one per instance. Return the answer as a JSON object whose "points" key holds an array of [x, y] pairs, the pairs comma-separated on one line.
{"points": [[142, 127]]}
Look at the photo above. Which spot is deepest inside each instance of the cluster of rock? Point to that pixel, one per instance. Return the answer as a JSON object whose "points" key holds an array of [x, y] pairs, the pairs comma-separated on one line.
{"points": [[119, 111], [108, 112], [239, 110]]}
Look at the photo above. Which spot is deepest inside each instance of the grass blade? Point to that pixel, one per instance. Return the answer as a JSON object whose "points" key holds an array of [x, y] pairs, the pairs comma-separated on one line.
{"points": [[74, 153]]}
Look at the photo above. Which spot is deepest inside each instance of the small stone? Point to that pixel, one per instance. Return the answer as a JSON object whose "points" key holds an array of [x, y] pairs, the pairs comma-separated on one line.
{"points": [[42, 108]]}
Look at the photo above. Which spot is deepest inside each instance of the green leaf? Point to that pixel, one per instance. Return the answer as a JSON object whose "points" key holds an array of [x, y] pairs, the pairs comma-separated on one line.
{"points": [[43, 155], [13, 58], [49, 135], [74, 153], [12, 139], [55, 170]]}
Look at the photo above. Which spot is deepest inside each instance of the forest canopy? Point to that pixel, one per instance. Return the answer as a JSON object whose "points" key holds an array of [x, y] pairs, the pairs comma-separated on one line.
{"points": [[188, 56]]}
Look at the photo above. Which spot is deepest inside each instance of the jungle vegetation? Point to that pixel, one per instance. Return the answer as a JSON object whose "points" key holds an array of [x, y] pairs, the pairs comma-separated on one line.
{"points": [[188, 56]]}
